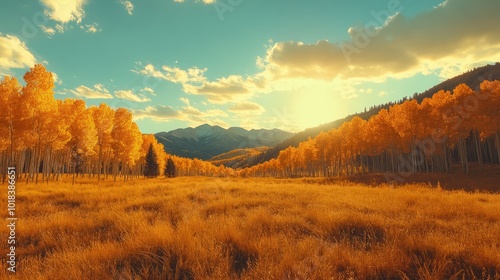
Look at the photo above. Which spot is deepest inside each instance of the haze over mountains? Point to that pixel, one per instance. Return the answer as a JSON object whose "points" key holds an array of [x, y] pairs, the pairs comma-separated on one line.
{"points": [[206, 141]]}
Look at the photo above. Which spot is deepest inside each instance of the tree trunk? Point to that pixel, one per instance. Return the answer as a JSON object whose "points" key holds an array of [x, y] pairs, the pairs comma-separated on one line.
{"points": [[478, 149]]}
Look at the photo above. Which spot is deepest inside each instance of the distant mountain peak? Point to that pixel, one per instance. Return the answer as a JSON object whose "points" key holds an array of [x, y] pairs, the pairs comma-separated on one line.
{"points": [[206, 141]]}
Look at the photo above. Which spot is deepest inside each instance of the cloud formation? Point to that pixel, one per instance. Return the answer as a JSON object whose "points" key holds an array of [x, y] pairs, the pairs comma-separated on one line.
{"points": [[14, 53], [48, 30], [186, 113], [130, 96], [174, 74], [149, 90], [128, 6], [98, 92], [64, 11], [223, 90], [393, 45], [247, 107], [91, 28]]}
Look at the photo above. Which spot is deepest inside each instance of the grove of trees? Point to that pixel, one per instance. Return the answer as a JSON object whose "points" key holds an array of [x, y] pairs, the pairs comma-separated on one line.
{"points": [[45, 138], [459, 127]]}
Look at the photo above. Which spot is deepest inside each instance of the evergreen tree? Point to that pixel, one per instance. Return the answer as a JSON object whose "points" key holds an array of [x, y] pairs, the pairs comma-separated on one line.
{"points": [[170, 169], [151, 168]]}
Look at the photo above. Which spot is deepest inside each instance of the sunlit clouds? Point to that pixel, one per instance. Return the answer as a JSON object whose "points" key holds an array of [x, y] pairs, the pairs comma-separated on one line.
{"points": [[14, 53], [64, 11], [97, 92]]}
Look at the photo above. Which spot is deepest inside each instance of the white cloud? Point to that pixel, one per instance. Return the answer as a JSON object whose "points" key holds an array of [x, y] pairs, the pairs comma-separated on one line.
{"points": [[129, 95], [382, 93], [148, 90], [128, 6], [226, 89], [98, 92], [60, 28], [56, 78], [48, 30], [14, 53], [91, 28], [64, 11], [174, 74], [184, 100], [187, 113]]}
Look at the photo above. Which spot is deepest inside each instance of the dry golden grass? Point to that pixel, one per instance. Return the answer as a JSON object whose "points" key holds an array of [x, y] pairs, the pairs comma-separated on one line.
{"points": [[206, 228]]}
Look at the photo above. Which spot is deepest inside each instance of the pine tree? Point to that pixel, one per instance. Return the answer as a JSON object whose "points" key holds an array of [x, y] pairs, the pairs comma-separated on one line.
{"points": [[170, 169], [151, 168]]}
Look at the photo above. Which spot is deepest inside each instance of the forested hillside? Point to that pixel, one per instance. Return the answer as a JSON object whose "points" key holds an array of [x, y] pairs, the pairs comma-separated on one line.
{"points": [[472, 78], [431, 136]]}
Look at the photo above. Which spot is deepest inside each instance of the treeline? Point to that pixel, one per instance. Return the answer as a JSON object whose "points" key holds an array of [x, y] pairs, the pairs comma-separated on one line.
{"points": [[431, 136], [45, 138]]}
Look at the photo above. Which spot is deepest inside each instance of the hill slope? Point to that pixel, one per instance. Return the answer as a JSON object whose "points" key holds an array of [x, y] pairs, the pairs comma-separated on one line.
{"points": [[472, 78], [205, 141], [238, 157]]}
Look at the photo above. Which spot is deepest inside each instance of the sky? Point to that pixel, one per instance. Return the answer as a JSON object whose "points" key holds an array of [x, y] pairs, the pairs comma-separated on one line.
{"points": [[288, 64]]}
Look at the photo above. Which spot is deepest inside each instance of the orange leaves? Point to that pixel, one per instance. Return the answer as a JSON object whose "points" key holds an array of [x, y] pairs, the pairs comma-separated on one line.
{"points": [[401, 129], [57, 135], [127, 139], [103, 117], [9, 101], [38, 94], [82, 129]]}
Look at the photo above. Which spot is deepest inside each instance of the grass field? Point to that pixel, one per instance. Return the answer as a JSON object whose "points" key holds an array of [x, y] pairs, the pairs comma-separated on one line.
{"points": [[206, 228]]}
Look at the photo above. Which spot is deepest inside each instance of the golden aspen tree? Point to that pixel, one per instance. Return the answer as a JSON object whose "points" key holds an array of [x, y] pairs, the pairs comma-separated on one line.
{"points": [[54, 138], [490, 109], [83, 136], [322, 147], [126, 143], [462, 114], [38, 107], [9, 101], [103, 117]]}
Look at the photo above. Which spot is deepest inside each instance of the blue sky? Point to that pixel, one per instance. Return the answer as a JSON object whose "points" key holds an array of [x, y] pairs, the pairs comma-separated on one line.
{"points": [[287, 64]]}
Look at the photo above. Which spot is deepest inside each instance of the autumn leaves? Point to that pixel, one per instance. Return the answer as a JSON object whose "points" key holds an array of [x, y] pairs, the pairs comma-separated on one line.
{"points": [[47, 137], [410, 137]]}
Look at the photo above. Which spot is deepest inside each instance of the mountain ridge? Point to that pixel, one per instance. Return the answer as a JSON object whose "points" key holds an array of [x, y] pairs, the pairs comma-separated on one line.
{"points": [[206, 141]]}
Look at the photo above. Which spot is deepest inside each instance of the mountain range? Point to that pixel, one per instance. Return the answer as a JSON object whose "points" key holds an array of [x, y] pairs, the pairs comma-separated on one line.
{"points": [[206, 141]]}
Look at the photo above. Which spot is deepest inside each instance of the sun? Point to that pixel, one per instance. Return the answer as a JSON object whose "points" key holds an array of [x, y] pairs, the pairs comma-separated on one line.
{"points": [[314, 107]]}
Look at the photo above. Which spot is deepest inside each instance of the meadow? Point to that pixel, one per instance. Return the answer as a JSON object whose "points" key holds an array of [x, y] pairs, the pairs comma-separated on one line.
{"points": [[241, 228]]}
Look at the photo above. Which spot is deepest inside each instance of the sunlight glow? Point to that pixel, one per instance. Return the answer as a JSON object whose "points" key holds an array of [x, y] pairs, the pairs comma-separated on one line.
{"points": [[315, 106]]}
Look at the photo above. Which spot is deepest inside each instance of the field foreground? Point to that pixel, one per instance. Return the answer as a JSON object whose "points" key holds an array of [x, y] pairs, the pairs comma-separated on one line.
{"points": [[206, 228]]}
